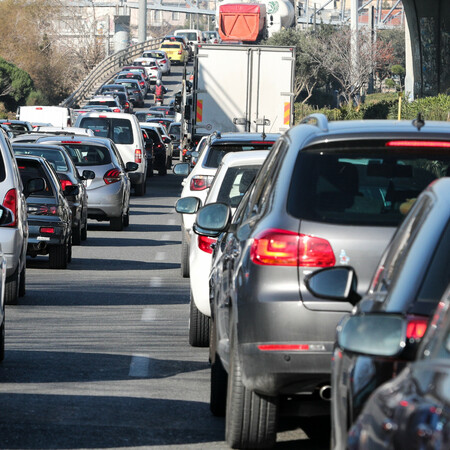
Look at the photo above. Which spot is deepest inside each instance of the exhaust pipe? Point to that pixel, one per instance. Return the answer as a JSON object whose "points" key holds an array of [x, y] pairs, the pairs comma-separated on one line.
{"points": [[325, 393]]}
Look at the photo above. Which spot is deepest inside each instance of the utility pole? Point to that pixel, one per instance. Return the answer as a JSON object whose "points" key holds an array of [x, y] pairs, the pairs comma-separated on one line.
{"points": [[354, 40], [142, 25]]}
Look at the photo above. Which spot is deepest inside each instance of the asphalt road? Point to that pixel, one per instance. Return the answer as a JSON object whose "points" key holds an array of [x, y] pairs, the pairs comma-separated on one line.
{"points": [[97, 356]]}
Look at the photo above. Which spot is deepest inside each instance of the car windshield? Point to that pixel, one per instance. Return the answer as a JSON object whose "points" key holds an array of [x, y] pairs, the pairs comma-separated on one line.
{"points": [[175, 130], [54, 157], [217, 152], [361, 183], [191, 36], [88, 154], [170, 45], [119, 130], [235, 184]]}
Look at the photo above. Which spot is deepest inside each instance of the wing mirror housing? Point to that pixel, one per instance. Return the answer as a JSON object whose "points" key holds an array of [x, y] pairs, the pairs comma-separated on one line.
{"points": [[188, 205], [88, 174], [212, 220], [131, 166], [34, 185]]}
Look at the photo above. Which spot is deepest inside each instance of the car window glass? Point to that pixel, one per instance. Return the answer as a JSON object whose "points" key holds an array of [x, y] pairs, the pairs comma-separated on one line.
{"points": [[122, 132], [89, 155], [54, 157], [218, 151], [33, 169], [361, 183], [98, 125]]}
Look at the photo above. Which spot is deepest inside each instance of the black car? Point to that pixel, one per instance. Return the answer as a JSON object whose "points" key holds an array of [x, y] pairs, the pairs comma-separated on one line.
{"points": [[68, 175], [159, 158], [410, 279], [174, 131], [412, 411], [124, 100], [49, 214]]}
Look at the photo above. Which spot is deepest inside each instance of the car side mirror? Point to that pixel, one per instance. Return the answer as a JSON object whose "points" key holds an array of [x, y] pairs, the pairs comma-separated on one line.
{"points": [[6, 216], [34, 185], [212, 220], [88, 174], [172, 137], [131, 166], [182, 169], [334, 283], [71, 189], [187, 205]]}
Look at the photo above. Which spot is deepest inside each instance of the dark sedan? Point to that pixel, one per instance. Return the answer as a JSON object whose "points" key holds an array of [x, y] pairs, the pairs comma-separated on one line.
{"points": [[69, 176], [49, 214]]}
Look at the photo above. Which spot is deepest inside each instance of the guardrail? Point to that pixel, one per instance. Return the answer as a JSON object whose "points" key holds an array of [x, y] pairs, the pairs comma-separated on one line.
{"points": [[103, 71]]}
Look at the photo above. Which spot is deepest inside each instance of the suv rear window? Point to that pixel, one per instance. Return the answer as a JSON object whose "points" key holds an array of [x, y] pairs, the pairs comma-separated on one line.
{"points": [[361, 183], [110, 103], [217, 152], [118, 130], [88, 155]]}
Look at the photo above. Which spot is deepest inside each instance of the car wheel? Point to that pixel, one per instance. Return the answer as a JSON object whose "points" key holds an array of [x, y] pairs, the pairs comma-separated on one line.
{"points": [[169, 162], [116, 223], [12, 288], [250, 419], [139, 189], [184, 255], [84, 231], [69, 251], [2, 340], [58, 256], [76, 235], [150, 169], [22, 281], [198, 327], [219, 378], [126, 218], [162, 171]]}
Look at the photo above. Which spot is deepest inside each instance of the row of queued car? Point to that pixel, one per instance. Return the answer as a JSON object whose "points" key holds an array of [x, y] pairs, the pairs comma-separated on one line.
{"points": [[328, 289]]}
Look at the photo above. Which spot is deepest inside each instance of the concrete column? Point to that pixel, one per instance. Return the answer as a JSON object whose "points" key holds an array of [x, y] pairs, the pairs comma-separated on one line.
{"points": [[142, 24]]}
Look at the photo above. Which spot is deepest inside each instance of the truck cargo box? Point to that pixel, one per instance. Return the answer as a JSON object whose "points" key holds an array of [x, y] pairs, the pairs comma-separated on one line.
{"points": [[242, 21]]}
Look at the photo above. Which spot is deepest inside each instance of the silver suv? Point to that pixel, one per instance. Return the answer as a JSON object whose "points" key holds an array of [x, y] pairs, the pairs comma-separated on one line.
{"points": [[329, 194], [14, 237]]}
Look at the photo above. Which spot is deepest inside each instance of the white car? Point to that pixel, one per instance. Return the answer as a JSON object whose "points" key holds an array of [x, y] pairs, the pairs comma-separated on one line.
{"points": [[152, 67], [210, 151], [233, 177], [162, 59], [106, 100]]}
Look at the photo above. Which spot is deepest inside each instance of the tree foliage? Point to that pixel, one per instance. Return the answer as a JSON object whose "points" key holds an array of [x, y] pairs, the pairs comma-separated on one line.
{"points": [[15, 84]]}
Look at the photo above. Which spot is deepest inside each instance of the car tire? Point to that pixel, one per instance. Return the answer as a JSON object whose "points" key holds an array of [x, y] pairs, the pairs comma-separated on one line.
{"points": [[163, 171], [169, 162], [150, 169], [116, 223], [84, 231], [139, 189], [184, 254], [198, 326], [12, 288], [250, 419], [22, 282], [126, 218], [2, 340], [69, 251], [58, 256], [76, 235], [218, 388]]}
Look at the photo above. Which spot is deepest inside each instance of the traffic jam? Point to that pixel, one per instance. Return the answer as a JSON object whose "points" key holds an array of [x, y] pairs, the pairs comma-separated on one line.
{"points": [[305, 283]]}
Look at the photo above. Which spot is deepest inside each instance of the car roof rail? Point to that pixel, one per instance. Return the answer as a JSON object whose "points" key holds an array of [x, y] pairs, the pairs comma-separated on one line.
{"points": [[318, 119]]}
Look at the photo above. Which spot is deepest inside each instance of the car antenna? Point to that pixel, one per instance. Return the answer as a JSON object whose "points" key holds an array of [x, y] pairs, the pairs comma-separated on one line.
{"points": [[419, 122]]}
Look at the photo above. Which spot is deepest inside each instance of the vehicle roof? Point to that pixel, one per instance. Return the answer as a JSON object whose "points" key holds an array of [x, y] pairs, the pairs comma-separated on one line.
{"points": [[84, 139], [108, 115], [244, 158], [243, 137]]}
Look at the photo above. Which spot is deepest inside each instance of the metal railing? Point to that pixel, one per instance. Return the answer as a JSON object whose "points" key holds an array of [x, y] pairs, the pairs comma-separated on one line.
{"points": [[105, 69]]}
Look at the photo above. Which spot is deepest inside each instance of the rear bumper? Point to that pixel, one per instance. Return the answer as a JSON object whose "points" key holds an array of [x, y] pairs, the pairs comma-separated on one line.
{"points": [[40, 239]]}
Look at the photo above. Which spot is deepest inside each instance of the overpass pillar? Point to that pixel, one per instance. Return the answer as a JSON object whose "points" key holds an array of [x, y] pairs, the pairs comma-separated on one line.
{"points": [[429, 29]]}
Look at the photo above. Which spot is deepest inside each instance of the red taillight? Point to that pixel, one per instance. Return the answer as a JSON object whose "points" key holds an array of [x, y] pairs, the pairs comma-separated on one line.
{"points": [[262, 142], [287, 248], [204, 243], [112, 176], [127, 105], [179, 52], [116, 110], [163, 61], [10, 202], [102, 116], [405, 143], [136, 92], [65, 183], [138, 156], [200, 182], [416, 327], [49, 230], [142, 83], [39, 108], [70, 142]]}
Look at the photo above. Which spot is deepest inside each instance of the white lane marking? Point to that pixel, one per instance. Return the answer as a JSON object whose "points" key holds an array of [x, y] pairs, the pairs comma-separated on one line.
{"points": [[139, 366], [155, 282], [160, 256], [148, 314]]}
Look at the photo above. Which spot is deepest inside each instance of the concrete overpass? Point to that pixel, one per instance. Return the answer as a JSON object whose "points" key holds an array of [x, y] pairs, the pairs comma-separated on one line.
{"points": [[428, 63]]}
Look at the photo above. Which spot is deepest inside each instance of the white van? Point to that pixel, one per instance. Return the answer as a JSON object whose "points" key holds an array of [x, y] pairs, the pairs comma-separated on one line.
{"points": [[193, 36], [58, 116], [124, 130]]}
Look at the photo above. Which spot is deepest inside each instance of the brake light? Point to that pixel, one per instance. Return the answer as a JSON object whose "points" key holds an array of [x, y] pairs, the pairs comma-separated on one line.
{"points": [[112, 176], [416, 327], [405, 143], [201, 182], [39, 108], [163, 61], [70, 142], [127, 105], [262, 142], [179, 52], [48, 230], [102, 116], [291, 347], [138, 156], [142, 83], [65, 183], [287, 248], [116, 110], [204, 243], [10, 202]]}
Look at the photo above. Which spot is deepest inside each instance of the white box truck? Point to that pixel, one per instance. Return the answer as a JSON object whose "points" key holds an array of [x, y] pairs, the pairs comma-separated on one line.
{"points": [[238, 88], [57, 116]]}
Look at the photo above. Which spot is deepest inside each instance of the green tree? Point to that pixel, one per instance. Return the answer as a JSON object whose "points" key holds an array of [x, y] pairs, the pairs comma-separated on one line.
{"points": [[15, 84]]}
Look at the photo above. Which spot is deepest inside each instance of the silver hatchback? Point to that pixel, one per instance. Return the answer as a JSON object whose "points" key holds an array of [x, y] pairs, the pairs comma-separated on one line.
{"points": [[109, 191]]}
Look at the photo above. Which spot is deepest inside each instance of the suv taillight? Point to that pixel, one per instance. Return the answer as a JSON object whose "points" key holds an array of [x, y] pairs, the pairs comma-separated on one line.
{"points": [[287, 248], [201, 182], [204, 243], [10, 202], [65, 183], [416, 327], [138, 156], [112, 176]]}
